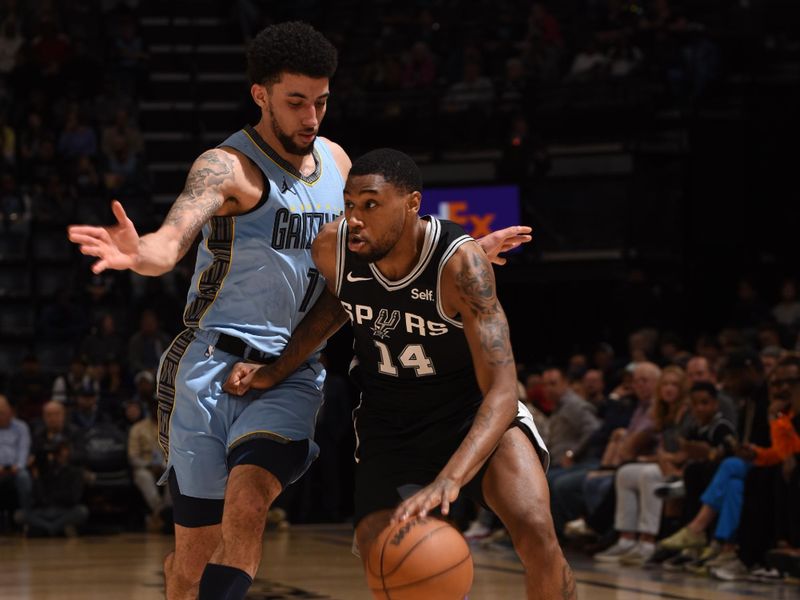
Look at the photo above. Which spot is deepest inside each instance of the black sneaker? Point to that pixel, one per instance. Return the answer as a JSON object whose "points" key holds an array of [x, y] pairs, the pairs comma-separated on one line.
{"points": [[677, 562], [658, 558]]}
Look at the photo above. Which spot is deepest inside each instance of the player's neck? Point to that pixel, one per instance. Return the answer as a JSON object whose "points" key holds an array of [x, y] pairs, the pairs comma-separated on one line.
{"points": [[304, 164], [402, 259]]}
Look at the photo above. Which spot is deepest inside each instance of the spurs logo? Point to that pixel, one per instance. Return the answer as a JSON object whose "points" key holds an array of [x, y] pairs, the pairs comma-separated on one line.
{"points": [[385, 324]]}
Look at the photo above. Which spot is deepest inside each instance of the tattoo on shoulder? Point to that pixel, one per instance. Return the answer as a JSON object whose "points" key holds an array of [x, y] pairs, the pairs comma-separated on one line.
{"points": [[195, 206], [474, 285]]}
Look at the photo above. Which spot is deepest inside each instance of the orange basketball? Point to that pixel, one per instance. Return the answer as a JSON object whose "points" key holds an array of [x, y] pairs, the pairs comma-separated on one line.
{"points": [[420, 559]]}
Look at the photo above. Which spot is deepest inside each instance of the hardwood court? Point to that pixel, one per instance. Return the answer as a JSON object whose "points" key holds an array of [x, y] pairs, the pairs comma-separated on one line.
{"points": [[311, 562]]}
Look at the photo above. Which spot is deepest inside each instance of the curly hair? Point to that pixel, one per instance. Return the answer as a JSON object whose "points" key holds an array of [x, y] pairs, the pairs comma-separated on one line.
{"points": [[397, 168], [292, 47]]}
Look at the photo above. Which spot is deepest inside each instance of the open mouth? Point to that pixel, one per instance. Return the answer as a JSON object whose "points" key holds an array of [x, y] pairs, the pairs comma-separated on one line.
{"points": [[355, 242]]}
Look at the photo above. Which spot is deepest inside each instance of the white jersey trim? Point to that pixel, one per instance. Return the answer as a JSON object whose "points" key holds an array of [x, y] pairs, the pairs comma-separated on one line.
{"points": [[429, 245], [451, 250], [341, 244]]}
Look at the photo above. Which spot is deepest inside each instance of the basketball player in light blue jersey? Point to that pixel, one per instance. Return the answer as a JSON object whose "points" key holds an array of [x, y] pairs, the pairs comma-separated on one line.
{"points": [[259, 198]]}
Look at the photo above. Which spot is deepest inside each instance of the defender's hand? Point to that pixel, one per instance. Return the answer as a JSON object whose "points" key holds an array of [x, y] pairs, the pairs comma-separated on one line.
{"points": [[504, 240], [442, 491], [117, 246], [240, 379]]}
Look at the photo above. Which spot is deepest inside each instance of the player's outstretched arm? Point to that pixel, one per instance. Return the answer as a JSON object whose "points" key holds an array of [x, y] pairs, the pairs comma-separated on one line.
{"points": [[468, 289], [211, 180], [504, 240], [321, 322]]}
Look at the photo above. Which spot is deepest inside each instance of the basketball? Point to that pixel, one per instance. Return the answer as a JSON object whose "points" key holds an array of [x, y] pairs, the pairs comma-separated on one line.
{"points": [[420, 559]]}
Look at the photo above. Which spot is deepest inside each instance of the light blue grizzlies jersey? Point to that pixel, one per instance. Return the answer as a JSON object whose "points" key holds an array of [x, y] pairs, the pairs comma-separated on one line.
{"points": [[254, 278]]}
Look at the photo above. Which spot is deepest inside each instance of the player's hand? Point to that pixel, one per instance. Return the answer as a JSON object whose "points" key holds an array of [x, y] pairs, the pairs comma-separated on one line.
{"points": [[117, 246], [442, 491], [504, 240], [240, 379]]}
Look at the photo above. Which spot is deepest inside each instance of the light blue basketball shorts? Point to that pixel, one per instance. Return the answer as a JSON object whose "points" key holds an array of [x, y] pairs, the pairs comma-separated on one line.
{"points": [[199, 423]]}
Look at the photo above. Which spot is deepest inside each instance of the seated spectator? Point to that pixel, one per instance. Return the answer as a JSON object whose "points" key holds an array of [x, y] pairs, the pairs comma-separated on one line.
{"points": [[146, 345], [57, 493], [629, 412], [15, 445], [763, 500], [787, 311], [121, 131], [638, 509], [147, 462], [87, 413], [66, 386], [571, 423], [709, 438], [699, 369], [53, 429]]}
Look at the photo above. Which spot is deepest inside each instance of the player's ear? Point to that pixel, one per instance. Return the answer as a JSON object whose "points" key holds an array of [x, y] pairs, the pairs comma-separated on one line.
{"points": [[414, 201], [260, 95]]}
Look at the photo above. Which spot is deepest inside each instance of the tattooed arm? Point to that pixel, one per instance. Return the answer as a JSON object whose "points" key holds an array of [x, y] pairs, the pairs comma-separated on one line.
{"points": [[468, 290], [323, 320], [212, 180]]}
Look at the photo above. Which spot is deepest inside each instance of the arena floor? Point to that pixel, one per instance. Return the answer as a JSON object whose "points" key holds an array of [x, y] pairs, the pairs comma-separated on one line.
{"points": [[310, 562]]}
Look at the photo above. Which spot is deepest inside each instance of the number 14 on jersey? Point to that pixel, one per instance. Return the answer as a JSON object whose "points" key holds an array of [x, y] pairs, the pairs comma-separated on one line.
{"points": [[412, 357]]}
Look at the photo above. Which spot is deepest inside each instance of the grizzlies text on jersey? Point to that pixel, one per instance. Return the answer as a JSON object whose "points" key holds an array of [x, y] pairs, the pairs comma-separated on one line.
{"points": [[254, 278]]}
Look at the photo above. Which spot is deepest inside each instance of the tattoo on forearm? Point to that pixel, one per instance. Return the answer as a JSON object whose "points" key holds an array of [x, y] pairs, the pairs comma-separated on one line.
{"points": [[194, 207], [474, 284]]}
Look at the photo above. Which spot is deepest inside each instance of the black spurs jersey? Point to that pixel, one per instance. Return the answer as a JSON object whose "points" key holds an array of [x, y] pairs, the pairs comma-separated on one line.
{"points": [[409, 353]]}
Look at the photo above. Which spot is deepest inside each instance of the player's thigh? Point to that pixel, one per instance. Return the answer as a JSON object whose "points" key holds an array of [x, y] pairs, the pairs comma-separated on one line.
{"points": [[515, 487], [284, 415], [368, 530]]}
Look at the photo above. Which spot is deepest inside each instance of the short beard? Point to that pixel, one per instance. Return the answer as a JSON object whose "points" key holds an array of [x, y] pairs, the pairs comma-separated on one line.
{"points": [[286, 141]]}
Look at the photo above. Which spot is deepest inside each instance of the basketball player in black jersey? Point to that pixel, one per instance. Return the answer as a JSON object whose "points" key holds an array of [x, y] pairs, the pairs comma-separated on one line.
{"points": [[439, 412]]}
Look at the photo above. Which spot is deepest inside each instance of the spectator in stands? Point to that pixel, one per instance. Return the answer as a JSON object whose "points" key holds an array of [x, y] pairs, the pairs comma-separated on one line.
{"points": [[474, 92], [133, 412], [11, 41], [77, 138], [589, 64], [708, 347], [770, 355], [638, 510], [122, 131], [543, 42], [699, 369], [571, 423], [54, 428], [419, 67], [57, 493], [594, 390], [66, 386], [710, 439], [145, 383], [147, 462], [103, 342], [15, 445], [567, 501], [146, 345], [762, 497], [87, 412], [51, 49], [748, 311], [787, 311]]}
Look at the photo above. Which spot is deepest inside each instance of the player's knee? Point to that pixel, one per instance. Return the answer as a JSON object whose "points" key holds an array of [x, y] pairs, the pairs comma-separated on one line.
{"points": [[533, 535]]}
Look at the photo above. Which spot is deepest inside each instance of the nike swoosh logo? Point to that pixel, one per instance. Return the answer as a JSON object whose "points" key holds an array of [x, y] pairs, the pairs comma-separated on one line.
{"points": [[351, 278]]}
